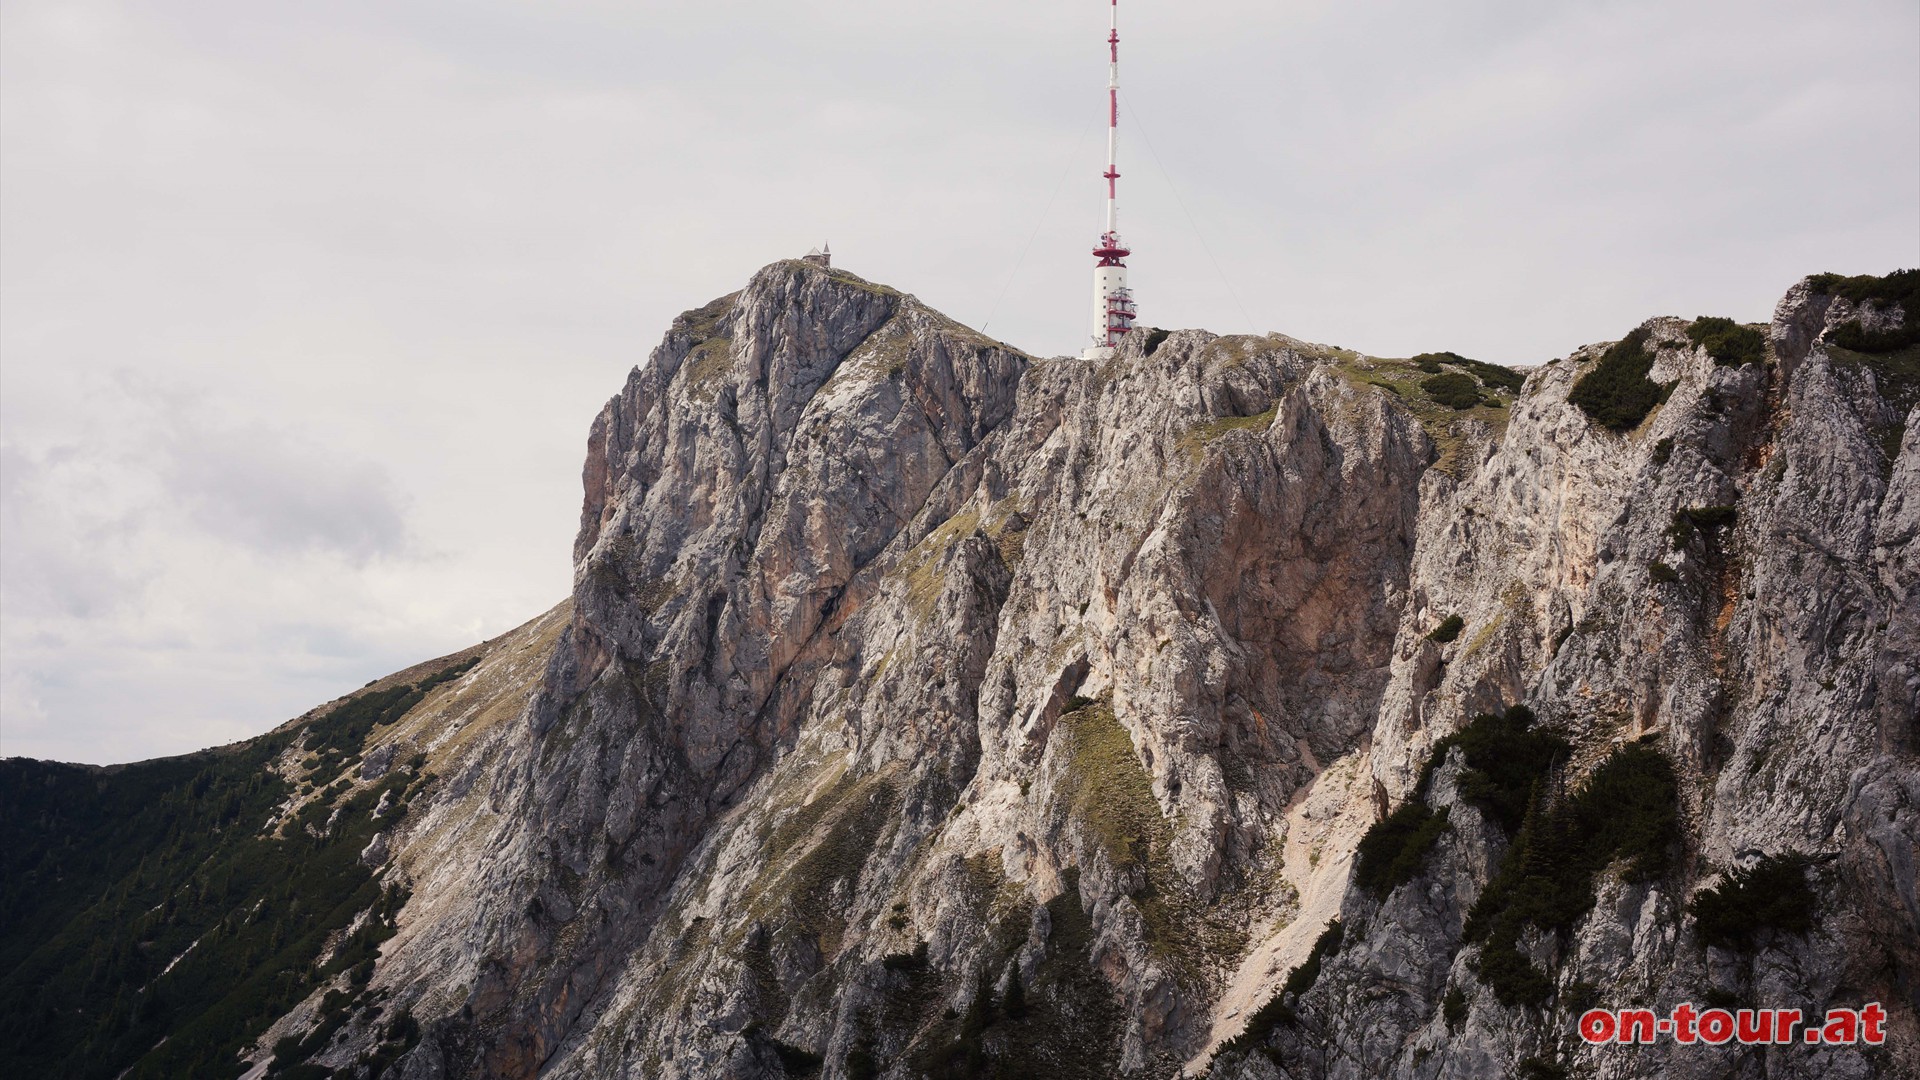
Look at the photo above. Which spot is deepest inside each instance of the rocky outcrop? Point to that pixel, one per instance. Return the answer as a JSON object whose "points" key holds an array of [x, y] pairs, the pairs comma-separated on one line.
{"points": [[1771, 660], [1095, 662], [925, 708]]}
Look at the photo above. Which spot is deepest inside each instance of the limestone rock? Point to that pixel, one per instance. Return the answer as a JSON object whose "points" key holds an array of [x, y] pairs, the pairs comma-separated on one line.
{"points": [[901, 666]]}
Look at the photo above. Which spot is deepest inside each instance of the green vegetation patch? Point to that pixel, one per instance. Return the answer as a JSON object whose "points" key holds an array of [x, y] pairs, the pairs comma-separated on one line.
{"points": [[1728, 342], [1301, 979], [1007, 528], [702, 322], [965, 1054], [1849, 335], [1504, 761], [710, 356], [1626, 812], [1616, 392], [1445, 425], [846, 277], [1896, 375], [337, 1008], [1073, 1022], [1260, 1026], [155, 928], [1195, 441], [1771, 896], [826, 842], [1901, 287], [886, 350], [1393, 850], [1505, 758], [1892, 355], [708, 362], [1452, 389], [1493, 376], [922, 564], [342, 731], [1111, 793]]}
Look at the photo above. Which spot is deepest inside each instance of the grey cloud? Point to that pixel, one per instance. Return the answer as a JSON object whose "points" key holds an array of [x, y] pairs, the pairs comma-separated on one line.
{"points": [[64, 533], [174, 577], [280, 493]]}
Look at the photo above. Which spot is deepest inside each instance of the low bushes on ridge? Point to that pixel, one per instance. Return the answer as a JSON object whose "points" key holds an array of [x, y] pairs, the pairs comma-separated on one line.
{"points": [[1616, 393], [1901, 287], [1727, 341]]}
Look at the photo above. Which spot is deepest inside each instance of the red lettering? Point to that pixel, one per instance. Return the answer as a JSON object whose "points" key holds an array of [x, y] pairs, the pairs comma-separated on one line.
{"points": [[1872, 1016], [1597, 1026], [1689, 1024], [1683, 1018]]}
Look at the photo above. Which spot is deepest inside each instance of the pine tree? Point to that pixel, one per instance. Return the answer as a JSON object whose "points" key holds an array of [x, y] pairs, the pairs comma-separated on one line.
{"points": [[1015, 1003]]}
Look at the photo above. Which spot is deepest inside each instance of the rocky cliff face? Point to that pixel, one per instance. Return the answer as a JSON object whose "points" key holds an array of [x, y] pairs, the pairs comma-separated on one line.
{"points": [[1772, 661], [926, 709]]}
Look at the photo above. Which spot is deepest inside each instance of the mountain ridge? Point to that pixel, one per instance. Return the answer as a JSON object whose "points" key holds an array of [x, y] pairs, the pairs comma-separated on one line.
{"points": [[903, 669]]}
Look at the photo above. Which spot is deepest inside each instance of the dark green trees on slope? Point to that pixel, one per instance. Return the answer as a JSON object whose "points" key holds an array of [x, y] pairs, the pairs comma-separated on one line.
{"points": [[155, 924]]}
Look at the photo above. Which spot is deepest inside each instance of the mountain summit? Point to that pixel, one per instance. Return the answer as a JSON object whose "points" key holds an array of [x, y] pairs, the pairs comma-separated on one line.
{"points": [[1233, 706]]}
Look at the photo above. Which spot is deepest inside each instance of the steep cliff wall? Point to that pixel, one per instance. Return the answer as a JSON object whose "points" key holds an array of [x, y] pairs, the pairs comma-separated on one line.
{"points": [[1731, 582], [923, 708], [906, 674]]}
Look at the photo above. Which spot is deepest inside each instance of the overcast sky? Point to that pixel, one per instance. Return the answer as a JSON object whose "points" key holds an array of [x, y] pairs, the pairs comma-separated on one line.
{"points": [[305, 307]]}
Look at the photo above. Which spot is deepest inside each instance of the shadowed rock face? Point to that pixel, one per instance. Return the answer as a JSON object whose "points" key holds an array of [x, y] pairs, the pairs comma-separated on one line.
{"points": [[902, 669]]}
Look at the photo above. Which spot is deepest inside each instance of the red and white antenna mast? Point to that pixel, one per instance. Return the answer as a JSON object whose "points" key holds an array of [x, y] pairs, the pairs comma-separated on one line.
{"points": [[1113, 311]]}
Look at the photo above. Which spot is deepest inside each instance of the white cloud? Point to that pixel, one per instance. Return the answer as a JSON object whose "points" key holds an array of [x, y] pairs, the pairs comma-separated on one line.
{"points": [[373, 264], [262, 488], [172, 578]]}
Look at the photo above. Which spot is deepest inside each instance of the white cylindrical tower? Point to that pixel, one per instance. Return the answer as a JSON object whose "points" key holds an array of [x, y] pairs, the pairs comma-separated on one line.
{"points": [[1113, 312]]}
